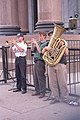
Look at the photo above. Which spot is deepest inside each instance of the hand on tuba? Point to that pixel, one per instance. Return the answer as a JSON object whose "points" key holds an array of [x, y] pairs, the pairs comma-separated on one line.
{"points": [[47, 48]]}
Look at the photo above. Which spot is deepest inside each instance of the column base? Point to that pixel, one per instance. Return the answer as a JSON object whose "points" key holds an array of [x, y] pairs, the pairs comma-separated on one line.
{"points": [[9, 30], [46, 26], [24, 32]]}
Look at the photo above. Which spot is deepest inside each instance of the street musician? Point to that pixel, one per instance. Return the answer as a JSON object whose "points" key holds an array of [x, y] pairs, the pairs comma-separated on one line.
{"points": [[20, 50], [39, 66], [57, 75]]}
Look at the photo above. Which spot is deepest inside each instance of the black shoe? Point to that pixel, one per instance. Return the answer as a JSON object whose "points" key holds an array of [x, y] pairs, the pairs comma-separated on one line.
{"points": [[17, 90], [23, 91], [35, 94], [42, 95], [47, 99]]}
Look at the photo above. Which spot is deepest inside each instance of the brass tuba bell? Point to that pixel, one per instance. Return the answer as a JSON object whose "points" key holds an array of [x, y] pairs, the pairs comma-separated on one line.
{"points": [[53, 57]]}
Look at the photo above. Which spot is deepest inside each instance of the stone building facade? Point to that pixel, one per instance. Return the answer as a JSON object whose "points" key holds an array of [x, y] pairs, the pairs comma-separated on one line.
{"points": [[29, 16]]}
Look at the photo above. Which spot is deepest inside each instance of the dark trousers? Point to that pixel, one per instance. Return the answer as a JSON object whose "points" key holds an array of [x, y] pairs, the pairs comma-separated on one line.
{"points": [[20, 67], [39, 77]]}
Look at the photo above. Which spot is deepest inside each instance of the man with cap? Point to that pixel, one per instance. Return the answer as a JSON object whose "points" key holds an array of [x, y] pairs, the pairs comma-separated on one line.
{"points": [[20, 49], [50, 33]]}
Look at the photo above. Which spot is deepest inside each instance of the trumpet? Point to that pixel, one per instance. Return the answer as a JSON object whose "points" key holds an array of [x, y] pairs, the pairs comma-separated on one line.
{"points": [[28, 42], [31, 41], [10, 42]]}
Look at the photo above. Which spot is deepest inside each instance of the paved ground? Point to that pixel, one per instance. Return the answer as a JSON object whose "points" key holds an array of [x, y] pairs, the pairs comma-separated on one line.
{"points": [[17, 106]]}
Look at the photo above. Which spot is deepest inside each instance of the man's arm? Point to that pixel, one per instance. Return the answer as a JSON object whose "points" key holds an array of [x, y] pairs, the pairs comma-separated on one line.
{"points": [[36, 44]]}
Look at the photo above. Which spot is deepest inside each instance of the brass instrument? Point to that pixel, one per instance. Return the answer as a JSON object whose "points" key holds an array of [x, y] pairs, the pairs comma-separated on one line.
{"points": [[53, 57], [9, 42]]}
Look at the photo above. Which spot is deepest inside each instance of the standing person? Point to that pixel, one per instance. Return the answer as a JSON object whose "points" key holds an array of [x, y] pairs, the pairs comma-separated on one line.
{"points": [[39, 66], [58, 78], [20, 49]]}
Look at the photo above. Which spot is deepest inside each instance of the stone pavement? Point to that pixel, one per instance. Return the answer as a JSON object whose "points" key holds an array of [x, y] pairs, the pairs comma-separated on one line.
{"points": [[17, 106]]}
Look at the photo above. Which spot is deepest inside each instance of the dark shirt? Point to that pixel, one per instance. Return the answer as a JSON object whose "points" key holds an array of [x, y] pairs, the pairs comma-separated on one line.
{"points": [[63, 60], [37, 55]]}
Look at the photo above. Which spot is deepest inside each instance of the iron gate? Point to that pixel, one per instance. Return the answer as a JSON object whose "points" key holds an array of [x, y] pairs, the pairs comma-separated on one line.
{"points": [[73, 68]]}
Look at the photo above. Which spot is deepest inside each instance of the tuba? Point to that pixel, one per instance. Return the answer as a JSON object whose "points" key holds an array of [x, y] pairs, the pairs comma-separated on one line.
{"points": [[53, 56]]}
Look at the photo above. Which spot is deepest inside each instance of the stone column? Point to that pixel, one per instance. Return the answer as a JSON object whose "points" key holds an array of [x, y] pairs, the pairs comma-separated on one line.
{"points": [[23, 15], [9, 22], [49, 12]]}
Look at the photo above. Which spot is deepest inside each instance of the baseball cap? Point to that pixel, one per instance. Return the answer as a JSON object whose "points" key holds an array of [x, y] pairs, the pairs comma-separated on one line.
{"points": [[20, 35], [50, 32]]}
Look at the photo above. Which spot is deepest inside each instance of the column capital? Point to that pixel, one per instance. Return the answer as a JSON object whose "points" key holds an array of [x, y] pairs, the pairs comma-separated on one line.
{"points": [[49, 14], [9, 22], [46, 26], [9, 29]]}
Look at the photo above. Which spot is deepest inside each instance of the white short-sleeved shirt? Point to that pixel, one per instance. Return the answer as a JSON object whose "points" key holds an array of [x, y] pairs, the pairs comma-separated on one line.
{"points": [[17, 52]]}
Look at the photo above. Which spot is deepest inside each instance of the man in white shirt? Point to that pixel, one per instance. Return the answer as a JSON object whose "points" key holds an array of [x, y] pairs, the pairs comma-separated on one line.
{"points": [[20, 49]]}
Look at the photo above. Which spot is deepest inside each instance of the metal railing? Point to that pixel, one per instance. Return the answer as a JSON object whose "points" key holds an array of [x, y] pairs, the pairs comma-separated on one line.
{"points": [[73, 68], [4, 63]]}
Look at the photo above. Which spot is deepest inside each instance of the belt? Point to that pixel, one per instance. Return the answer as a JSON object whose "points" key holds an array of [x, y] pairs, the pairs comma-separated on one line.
{"points": [[38, 60], [21, 57]]}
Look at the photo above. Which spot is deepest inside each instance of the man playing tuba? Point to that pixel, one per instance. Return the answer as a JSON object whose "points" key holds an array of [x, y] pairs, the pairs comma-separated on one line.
{"points": [[57, 76]]}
